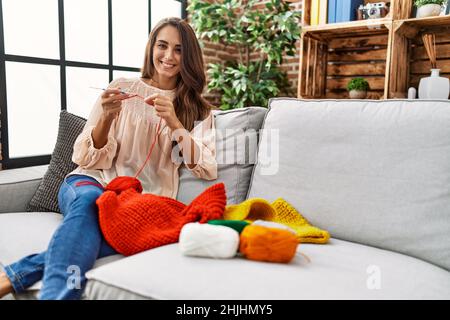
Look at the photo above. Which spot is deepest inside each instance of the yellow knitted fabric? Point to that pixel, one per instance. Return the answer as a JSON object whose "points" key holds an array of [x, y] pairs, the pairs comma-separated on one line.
{"points": [[279, 211]]}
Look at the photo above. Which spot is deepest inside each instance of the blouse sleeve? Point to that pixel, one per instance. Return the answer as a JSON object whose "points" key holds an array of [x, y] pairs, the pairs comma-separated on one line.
{"points": [[84, 153], [204, 137]]}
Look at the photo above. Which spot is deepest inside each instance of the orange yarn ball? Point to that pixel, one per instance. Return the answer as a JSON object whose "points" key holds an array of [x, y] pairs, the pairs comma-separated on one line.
{"points": [[267, 244]]}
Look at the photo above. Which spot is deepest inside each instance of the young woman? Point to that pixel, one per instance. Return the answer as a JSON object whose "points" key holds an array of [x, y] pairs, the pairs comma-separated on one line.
{"points": [[116, 142]]}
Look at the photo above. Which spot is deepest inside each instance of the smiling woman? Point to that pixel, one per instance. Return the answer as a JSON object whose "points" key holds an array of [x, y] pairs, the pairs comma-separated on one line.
{"points": [[117, 142], [166, 56], [174, 60]]}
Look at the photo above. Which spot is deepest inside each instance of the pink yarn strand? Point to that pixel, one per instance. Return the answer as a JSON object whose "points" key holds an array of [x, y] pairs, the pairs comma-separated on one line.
{"points": [[151, 149]]}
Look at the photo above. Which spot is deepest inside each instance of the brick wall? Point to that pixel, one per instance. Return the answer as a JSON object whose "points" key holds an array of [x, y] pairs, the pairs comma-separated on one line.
{"points": [[213, 53]]}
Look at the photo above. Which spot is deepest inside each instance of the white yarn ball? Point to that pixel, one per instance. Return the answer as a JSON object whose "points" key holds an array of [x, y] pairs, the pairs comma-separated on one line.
{"points": [[207, 240]]}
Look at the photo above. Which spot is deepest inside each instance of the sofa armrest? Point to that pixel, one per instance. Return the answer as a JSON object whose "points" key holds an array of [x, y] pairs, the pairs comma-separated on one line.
{"points": [[18, 186]]}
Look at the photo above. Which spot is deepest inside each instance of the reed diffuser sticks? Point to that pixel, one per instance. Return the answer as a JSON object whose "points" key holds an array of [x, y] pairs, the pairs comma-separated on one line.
{"points": [[429, 42]]}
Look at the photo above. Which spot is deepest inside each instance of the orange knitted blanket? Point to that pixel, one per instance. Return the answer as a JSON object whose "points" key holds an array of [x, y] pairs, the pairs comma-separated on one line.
{"points": [[132, 222]]}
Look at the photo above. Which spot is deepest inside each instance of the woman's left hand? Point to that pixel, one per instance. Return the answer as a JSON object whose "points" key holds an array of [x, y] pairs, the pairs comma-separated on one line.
{"points": [[164, 109]]}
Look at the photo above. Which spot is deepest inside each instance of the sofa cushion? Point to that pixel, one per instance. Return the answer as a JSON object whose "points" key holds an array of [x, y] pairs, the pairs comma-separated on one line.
{"points": [[339, 270], [373, 172], [18, 187], [236, 143], [22, 234], [46, 196]]}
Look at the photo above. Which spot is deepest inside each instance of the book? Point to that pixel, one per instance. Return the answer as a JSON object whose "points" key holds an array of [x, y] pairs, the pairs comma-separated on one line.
{"points": [[339, 10], [447, 10], [314, 12], [323, 13], [349, 8], [331, 11]]}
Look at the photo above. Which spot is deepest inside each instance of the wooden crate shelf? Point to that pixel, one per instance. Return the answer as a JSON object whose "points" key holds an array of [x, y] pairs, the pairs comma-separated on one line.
{"points": [[332, 56], [387, 52], [410, 62], [344, 29]]}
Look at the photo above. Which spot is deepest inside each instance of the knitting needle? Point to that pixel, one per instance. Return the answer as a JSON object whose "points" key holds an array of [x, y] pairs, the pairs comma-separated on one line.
{"points": [[132, 95]]}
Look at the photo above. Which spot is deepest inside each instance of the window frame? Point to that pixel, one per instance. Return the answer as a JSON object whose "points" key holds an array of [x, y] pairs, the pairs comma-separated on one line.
{"points": [[5, 161]]}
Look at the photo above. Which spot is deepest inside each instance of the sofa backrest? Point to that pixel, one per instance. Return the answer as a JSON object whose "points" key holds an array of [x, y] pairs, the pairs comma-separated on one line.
{"points": [[372, 172], [236, 146]]}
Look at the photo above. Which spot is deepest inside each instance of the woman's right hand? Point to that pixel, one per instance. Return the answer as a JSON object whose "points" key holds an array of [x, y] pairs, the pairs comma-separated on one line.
{"points": [[112, 102]]}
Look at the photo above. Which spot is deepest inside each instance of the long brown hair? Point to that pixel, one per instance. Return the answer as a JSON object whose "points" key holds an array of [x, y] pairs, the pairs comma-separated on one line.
{"points": [[189, 105]]}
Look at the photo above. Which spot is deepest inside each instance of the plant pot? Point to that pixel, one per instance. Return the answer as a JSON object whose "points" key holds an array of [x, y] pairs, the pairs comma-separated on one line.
{"points": [[357, 94], [428, 10], [434, 87]]}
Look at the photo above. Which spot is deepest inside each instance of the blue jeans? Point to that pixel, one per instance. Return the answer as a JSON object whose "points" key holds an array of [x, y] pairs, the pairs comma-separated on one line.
{"points": [[73, 249]]}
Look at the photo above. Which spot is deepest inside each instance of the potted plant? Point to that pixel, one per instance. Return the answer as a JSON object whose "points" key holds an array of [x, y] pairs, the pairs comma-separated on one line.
{"points": [[357, 88], [428, 8], [260, 36]]}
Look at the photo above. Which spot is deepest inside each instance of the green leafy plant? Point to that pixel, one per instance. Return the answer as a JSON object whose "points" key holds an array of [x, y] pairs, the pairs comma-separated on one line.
{"points": [[261, 38], [420, 3], [359, 84]]}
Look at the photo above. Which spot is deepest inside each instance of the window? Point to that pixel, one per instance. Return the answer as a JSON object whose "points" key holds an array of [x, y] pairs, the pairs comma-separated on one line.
{"points": [[53, 51]]}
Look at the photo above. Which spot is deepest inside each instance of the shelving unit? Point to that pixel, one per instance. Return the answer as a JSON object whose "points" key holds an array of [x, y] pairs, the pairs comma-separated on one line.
{"points": [[360, 26], [387, 52], [410, 62]]}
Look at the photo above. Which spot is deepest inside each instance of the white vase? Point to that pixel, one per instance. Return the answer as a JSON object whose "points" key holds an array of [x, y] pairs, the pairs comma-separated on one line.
{"points": [[428, 10], [434, 87], [412, 93]]}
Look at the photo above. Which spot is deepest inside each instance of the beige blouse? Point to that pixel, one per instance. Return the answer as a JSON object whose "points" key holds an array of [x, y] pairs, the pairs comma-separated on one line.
{"points": [[129, 141]]}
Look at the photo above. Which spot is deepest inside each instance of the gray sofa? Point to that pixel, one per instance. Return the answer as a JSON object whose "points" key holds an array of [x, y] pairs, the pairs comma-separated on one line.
{"points": [[375, 174]]}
